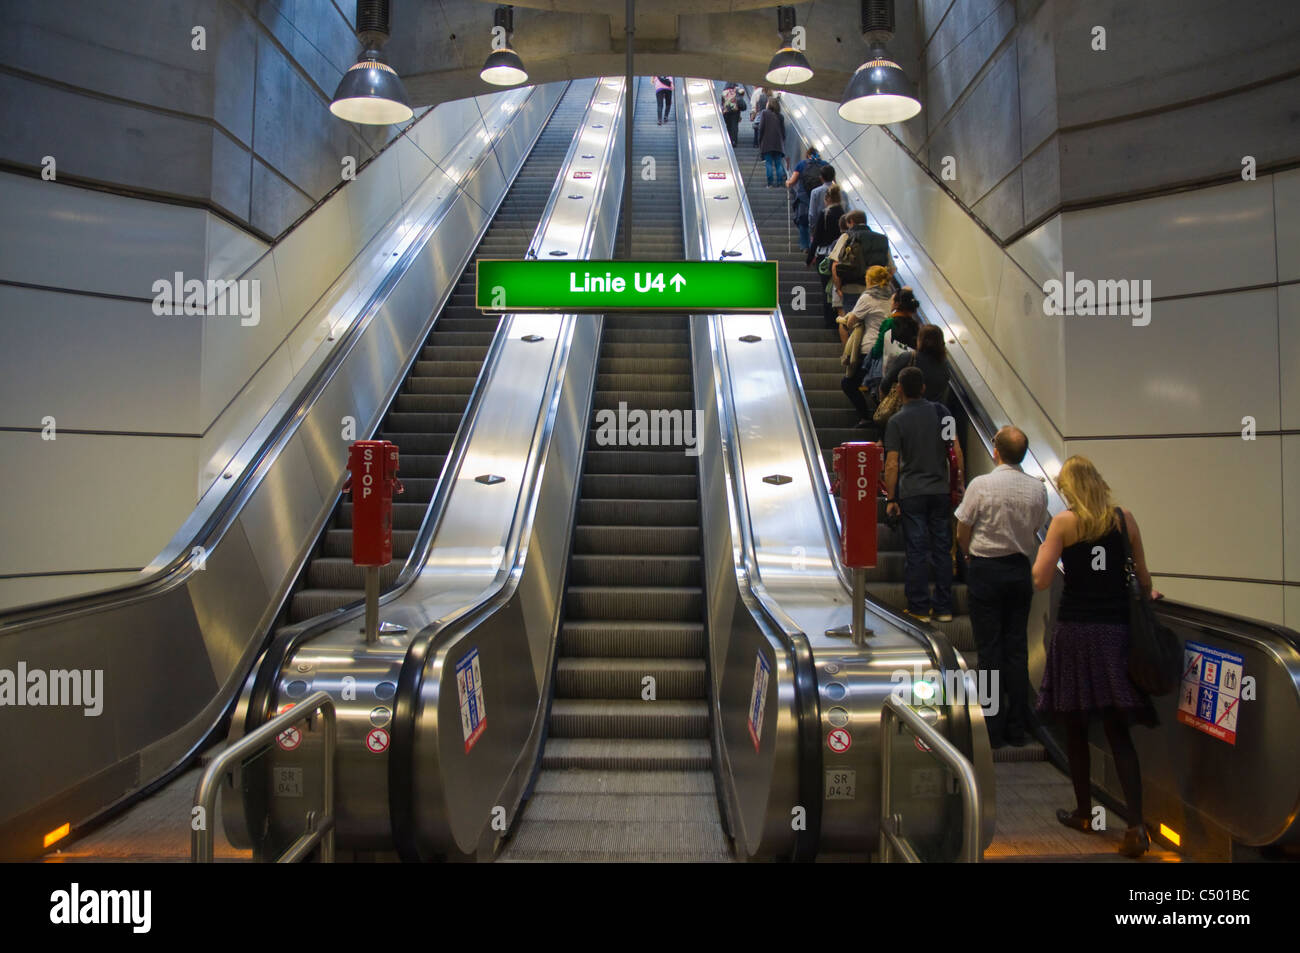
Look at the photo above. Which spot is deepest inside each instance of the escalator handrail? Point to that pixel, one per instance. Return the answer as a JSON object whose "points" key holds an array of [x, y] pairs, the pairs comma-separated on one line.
{"points": [[268, 439]]}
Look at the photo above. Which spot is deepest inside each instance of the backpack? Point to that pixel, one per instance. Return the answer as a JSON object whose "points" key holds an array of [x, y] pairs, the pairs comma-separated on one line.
{"points": [[852, 268], [730, 101], [811, 176], [875, 248]]}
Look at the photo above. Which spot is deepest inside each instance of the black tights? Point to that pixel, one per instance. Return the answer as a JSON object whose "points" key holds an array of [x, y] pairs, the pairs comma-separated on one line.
{"points": [[1121, 749]]}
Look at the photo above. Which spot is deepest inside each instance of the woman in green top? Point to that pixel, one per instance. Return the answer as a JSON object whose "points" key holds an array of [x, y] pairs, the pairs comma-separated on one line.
{"points": [[901, 323]]}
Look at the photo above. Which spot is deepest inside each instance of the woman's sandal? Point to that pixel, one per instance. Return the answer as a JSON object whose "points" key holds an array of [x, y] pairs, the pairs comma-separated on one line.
{"points": [[1136, 841], [1074, 820]]}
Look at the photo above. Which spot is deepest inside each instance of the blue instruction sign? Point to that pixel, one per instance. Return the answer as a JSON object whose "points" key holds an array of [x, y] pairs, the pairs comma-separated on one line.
{"points": [[758, 699], [1210, 695], [473, 710]]}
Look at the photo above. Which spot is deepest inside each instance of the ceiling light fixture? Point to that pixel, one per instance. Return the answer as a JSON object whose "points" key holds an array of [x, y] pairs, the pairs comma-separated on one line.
{"points": [[879, 93], [503, 66], [371, 92], [789, 66]]}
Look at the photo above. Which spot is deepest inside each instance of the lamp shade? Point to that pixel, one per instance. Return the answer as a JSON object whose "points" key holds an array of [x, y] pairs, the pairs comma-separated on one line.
{"points": [[879, 93], [789, 67], [503, 68], [371, 92]]}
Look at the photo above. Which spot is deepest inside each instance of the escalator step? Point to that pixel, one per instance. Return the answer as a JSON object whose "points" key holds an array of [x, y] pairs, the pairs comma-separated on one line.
{"points": [[646, 540], [628, 718], [607, 569], [619, 754], [638, 512], [648, 486], [677, 604], [631, 638], [624, 677]]}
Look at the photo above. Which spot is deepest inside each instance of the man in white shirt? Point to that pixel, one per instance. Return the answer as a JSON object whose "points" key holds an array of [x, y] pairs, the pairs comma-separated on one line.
{"points": [[997, 527]]}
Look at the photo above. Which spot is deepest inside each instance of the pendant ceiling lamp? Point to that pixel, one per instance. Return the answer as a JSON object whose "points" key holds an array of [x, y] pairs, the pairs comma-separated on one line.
{"points": [[503, 66], [789, 66], [371, 92], [879, 93]]}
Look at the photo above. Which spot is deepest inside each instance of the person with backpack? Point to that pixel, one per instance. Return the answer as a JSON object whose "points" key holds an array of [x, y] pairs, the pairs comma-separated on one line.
{"points": [[1086, 677], [805, 177], [733, 104], [663, 97], [862, 249], [771, 143]]}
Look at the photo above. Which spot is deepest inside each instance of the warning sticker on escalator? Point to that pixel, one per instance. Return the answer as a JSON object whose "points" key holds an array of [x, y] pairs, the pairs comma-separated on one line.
{"points": [[473, 710], [758, 699], [1210, 695]]}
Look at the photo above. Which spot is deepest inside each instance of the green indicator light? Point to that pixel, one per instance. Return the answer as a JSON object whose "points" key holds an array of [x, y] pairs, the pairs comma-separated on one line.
{"points": [[599, 287], [923, 690]]}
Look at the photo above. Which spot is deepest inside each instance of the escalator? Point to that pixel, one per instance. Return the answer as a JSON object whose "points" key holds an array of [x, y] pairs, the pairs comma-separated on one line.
{"points": [[817, 352], [424, 417], [626, 773]]}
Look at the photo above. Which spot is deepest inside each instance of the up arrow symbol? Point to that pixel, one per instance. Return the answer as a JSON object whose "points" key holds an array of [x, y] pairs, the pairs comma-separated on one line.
{"points": [[677, 281]]}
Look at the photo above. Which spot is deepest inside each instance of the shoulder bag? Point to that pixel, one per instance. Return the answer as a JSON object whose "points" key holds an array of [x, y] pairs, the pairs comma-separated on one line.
{"points": [[891, 402], [1155, 656]]}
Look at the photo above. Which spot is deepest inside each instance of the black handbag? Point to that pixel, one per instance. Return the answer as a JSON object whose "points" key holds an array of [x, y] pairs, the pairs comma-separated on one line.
{"points": [[1155, 656]]}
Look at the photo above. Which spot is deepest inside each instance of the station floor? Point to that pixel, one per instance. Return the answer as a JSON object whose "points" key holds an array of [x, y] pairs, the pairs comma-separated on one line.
{"points": [[1028, 794]]}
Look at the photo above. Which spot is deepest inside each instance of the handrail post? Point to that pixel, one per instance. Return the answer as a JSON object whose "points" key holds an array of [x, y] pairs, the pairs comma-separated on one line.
{"points": [[887, 719], [320, 831], [894, 709]]}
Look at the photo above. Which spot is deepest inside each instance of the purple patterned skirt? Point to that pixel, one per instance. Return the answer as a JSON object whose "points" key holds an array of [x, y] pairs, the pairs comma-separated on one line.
{"points": [[1087, 671]]}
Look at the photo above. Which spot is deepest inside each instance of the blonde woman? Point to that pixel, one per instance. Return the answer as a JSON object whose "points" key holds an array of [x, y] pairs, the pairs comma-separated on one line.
{"points": [[1086, 675], [869, 312]]}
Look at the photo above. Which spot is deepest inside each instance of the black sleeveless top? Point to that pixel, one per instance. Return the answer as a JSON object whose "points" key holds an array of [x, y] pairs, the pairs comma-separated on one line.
{"points": [[1094, 594]]}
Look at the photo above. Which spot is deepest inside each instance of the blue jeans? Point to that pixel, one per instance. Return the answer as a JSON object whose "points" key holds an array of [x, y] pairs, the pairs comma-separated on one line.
{"points": [[799, 210], [775, 167], [927, 539]]}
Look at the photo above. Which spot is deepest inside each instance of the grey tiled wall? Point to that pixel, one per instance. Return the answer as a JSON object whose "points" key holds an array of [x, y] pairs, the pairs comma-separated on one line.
{"points": [[123, 100]]}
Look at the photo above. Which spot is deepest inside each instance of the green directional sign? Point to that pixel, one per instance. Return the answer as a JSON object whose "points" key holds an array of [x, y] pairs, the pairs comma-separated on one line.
{"points": [[599, 287]]}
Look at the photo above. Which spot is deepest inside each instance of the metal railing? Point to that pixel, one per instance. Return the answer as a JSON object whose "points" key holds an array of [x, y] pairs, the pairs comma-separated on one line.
{"points": [[319, 827], [891, 824]]}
